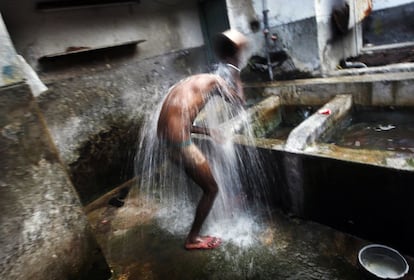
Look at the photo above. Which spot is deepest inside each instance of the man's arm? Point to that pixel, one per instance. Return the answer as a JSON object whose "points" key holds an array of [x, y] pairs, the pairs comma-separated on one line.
{"points": [[200, 130]]}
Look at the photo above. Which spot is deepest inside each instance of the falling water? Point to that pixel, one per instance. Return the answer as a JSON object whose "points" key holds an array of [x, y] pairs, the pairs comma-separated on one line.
{"points": [[235, 215]]}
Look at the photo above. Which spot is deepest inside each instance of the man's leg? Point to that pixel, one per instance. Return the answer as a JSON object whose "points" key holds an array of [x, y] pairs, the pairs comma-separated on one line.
{"points": [[197, 168], [202, 176]]}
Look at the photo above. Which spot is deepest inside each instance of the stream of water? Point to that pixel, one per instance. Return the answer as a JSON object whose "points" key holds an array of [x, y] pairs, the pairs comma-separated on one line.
{"points": [[237, 211]]}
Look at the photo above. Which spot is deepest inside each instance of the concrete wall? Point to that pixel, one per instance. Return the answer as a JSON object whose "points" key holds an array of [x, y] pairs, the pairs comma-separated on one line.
{"points": [[44, 233], [165, 27], [241, 13], [306, 34], [304, 31], [332, 44], [295, 29]]}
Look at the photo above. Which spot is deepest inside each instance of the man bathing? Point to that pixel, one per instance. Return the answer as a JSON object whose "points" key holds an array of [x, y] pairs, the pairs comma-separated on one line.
{"points": [[175, 125]]}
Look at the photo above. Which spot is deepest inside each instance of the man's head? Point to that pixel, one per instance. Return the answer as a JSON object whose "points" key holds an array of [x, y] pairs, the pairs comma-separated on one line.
{"points": [[229, 44]]}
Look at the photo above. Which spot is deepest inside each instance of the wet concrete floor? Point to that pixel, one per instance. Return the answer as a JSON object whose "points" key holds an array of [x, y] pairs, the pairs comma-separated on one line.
{"points": [[287, 248]]}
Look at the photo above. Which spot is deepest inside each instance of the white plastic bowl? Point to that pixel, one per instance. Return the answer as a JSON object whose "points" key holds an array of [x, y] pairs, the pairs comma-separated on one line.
{"points": [[383, 262]]}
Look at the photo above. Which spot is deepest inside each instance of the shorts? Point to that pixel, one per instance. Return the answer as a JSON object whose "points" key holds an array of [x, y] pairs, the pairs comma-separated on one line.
{"points": [[186, 152]]}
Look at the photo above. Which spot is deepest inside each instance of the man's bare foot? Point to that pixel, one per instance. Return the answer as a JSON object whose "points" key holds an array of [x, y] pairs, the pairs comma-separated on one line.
{"points": [[203, 243]]}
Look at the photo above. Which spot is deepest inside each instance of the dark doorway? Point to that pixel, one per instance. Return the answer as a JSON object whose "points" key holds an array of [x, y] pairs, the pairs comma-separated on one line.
{"points": [[214, 19]]}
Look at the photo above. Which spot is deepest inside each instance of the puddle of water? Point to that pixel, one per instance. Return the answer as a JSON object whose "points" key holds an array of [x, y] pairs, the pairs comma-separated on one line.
{"points": [[378, 129]]}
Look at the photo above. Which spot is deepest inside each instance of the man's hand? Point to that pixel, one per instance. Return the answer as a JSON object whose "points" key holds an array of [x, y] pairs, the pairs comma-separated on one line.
{"points": [[217, 136], [200, 130]]}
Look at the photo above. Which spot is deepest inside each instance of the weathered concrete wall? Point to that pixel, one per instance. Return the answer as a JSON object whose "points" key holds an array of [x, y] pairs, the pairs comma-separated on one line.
{"points": [[307, 41], [166, 26], [43, 230], [44, 233], [295, 30], [371, 202], [334, 44]]}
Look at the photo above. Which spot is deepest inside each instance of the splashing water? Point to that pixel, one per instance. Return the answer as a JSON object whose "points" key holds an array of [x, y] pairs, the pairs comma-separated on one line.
{"points": [[234, 215]]}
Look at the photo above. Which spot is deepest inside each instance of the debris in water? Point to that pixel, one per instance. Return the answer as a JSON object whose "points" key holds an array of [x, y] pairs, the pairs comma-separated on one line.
{"points": [[384, 127]]}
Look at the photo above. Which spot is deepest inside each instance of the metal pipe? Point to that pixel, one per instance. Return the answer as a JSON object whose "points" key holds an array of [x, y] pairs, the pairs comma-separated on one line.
{"points": [[266, 32]]}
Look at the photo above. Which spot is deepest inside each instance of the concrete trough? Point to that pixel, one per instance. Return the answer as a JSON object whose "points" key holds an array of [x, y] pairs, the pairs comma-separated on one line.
{"points": [[359, 190]]}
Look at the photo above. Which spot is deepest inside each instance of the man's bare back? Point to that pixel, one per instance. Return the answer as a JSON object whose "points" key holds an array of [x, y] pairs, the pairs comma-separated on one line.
{"points": [[183, 103]]}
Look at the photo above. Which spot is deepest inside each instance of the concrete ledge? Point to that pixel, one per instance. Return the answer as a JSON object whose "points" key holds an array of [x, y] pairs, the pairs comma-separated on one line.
{"points": [[265, 116], [312, 128], [382, 89]]}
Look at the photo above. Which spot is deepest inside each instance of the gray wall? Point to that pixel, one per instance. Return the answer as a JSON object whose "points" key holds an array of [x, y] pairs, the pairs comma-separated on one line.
{"points": [[306, 32], [44, 233], [173, 25]]}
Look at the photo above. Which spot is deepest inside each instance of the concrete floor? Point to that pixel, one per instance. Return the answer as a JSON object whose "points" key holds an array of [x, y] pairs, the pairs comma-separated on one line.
{"points": [[287, 248]]}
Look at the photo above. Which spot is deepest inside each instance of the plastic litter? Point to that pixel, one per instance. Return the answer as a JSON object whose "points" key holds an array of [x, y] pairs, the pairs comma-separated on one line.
{"points": [[325, 111]]}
